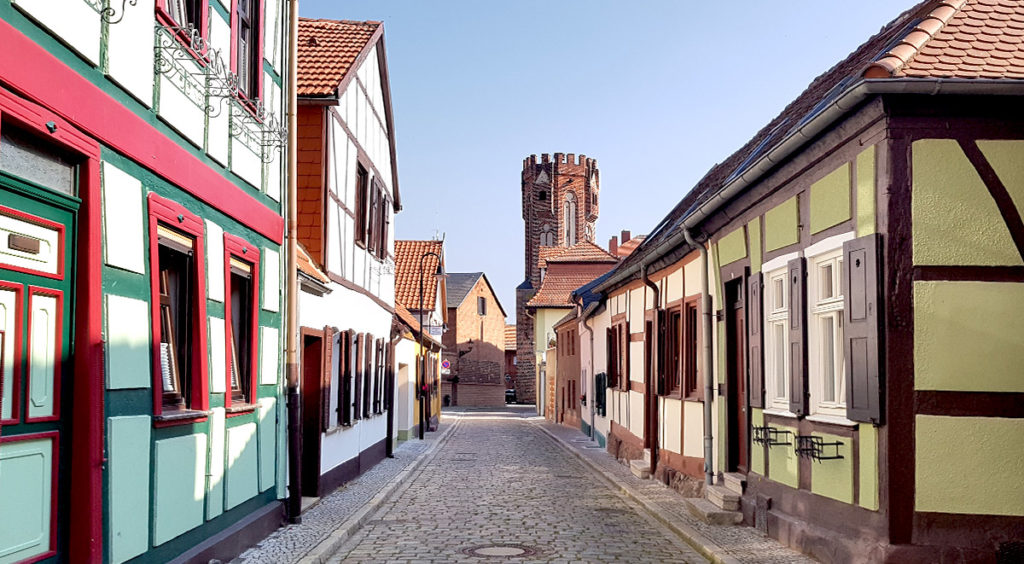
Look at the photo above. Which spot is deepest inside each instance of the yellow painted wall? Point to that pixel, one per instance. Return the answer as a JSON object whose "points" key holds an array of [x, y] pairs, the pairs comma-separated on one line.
{"points": [[636, 310], [830, 199], [1007, 158], [834, 478], [866, 192], [781, 225], [868, 469], [955, 219], [636, 361], [783, 463], [674, 286], [732, 247], [754, 238], [691, 277], [756, 450], [969, 465], [969, 336], [636, 413]]}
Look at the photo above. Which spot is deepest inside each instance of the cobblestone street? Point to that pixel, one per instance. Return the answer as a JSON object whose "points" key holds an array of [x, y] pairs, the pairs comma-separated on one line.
{"points": [[502, 486]]}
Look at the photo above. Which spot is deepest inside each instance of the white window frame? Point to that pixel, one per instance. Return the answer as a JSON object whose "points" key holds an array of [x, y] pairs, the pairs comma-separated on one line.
{"points": [[776, 313], [821, 308]]}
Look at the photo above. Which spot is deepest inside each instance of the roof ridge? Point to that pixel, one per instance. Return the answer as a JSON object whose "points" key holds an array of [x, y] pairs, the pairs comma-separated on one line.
{"points": [[907, 47]]}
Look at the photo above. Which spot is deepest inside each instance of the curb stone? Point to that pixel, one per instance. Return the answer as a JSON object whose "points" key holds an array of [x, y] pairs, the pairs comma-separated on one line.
{"points": [[708, 548], [326, 548]]}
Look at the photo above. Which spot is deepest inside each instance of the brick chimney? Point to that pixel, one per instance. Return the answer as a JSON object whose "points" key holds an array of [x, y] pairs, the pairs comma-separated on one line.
{"points": [[625, 236], [613, 246]]}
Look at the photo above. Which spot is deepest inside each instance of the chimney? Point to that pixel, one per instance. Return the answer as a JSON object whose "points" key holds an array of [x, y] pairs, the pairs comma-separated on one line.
{"points": [[625, 235], [613, 245]]}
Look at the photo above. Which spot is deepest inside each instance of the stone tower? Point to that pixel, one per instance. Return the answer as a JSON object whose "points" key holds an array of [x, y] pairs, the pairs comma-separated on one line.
{"points": [[560, 204]]}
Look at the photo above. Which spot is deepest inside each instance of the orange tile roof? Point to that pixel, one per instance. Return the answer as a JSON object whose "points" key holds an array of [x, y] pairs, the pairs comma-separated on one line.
{"points": [[959, 39], [327, 49], [557, 287], [583, 252], [307, 267], [407, 276], [627, 248], [510, 337], [545, 253]]}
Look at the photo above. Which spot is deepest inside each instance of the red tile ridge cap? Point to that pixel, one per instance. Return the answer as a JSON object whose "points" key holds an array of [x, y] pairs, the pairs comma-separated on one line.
{"points": [[890, 64]]}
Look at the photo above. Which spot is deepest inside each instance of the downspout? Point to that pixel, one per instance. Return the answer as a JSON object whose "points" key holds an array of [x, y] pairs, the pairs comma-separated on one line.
{"points": [[655, 368], [591, 394], [709, 386], [294, 504]]}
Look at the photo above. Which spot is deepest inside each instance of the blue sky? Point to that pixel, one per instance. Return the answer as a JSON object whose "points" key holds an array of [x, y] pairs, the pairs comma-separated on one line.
{"points": [[657, 91]]}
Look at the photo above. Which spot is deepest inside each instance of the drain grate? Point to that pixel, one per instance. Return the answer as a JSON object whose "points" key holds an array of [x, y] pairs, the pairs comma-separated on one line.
{"points": [[501, 550]]}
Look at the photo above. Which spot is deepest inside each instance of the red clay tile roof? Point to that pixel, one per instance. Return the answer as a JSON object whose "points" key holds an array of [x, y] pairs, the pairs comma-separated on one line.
{"points": [[327, 48], [959, 39], [583, 252], [307, 267], [557, 286], [627, 248], [544, 253], [510, 337], [407, 278]]}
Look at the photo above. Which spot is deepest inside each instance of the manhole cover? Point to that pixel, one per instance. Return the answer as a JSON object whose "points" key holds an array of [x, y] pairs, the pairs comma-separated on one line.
{"points": [[502, 550]]}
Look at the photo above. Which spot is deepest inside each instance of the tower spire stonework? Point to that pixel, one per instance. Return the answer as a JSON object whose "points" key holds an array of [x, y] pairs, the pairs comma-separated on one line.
{"points": [[560, 208]]}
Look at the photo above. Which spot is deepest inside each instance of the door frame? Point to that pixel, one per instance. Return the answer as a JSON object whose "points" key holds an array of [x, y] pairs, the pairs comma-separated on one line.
{"points": [[310, 415], [85, 416], [737, 403]]}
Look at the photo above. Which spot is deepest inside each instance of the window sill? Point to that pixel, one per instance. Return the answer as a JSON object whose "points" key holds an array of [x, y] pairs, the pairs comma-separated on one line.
{"points": [[180, 417], [240, 409], [832, 420], [780, 412]]}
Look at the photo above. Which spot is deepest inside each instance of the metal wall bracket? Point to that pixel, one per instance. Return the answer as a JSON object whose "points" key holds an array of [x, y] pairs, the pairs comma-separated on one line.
{"points": [[815, 448], [772, 436]]}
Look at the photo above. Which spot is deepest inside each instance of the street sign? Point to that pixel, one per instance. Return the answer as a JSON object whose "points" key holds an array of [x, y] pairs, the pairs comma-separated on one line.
{"points": [[446, 364]]}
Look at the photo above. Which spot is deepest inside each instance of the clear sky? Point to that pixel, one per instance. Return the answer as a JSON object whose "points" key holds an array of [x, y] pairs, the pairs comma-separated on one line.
{"points": [[657, 91]]}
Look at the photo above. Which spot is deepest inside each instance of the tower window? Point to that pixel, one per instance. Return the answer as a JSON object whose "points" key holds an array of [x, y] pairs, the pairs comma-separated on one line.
{"points": [[542, 195]]}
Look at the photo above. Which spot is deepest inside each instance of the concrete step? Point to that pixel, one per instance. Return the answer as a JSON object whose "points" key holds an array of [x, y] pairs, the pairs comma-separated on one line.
{"points": [[647, 455], [735, 481], [640, 468], [723, 497], [711, 513]]}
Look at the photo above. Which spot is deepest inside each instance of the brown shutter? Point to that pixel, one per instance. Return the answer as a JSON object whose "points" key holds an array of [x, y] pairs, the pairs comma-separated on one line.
{"points": [[660, 342], [755, 339], [610, 356], [325, 379], [342, 374], [367, 375], [798, 392], [357, 405], [861, 292]]}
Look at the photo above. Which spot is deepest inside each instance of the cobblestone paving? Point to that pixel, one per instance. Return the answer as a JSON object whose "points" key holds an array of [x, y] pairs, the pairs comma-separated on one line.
{"points": [[501, 485], [291, 542], [742, 543]]}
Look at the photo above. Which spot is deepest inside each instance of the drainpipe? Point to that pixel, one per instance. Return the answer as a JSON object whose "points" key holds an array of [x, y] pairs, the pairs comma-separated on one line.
{"points": [[655, 368], [591, 394], [709, 386], [294, 505]]}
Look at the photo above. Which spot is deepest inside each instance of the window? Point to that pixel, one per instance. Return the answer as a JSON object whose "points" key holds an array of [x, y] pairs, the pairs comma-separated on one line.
{"points": [[481, 306], [569, 219], [188, 22], [547, 236], [247, 62], [600, 393], [179, 310], [672, 341], [362, 193], [378, 379], [776, 336], [828, 389], [542, 195], [241, 279], [26, 156], [691, 334]]}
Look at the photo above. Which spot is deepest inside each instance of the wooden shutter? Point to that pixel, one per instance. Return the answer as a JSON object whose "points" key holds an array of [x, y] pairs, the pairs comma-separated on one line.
{"points": [[325, 379], [755, 339], [798, 392], [861, 296], [344, 367], [609, 356], [625, 338], [660, 342], [367, 375], [357, 397]]}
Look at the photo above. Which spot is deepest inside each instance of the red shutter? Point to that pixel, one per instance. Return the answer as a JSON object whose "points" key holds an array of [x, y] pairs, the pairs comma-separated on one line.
{"points": [[325, 379], [861, 352], [610, 357], [755, 339], [798, 391]]}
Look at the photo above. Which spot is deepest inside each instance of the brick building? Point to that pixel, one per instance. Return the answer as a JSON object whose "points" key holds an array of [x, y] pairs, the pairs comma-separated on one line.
{"points": [[560, 207], [510, 358], [474, 342]]}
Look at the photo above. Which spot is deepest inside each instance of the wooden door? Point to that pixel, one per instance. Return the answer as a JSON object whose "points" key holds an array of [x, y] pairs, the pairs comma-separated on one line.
{"points": [[737, 386], [37, 242], [312, 365]]}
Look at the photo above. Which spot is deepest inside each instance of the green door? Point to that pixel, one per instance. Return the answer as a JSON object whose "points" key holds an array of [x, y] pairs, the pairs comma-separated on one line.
{"points": [[37, 250]]}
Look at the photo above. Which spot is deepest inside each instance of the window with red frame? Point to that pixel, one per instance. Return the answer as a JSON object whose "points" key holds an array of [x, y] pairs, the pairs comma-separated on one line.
{"points": [[241, 279], [179, 310], [248, 46]]}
